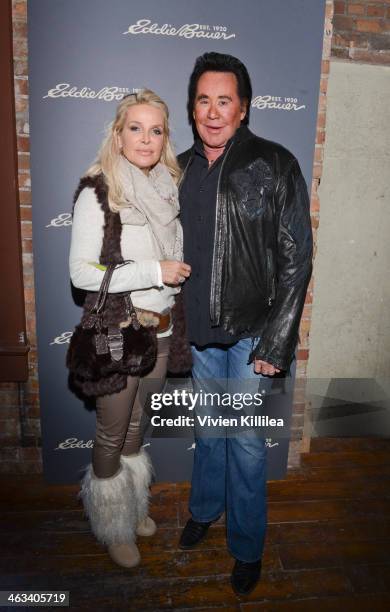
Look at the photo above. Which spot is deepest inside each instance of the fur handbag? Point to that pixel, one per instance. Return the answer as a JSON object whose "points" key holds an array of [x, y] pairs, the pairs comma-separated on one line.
{"points": [[98, 353]]}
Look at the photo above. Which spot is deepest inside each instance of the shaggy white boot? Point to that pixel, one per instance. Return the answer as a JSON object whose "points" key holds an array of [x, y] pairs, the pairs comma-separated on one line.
{"points": [[110, 504], [142, 472]]}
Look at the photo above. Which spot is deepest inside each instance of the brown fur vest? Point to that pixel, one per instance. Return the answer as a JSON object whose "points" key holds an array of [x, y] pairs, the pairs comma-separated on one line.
{"points": [[179, 360]]}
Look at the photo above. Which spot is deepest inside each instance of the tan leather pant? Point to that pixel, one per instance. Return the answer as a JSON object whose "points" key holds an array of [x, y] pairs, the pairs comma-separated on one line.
{"points": [[119, 423]]}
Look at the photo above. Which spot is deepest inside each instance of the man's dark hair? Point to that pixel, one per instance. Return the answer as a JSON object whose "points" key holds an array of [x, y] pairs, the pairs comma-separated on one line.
{"points": [[220, 62]]}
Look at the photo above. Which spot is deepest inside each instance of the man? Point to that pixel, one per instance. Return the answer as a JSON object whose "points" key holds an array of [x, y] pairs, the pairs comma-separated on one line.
{"points": [[247, 237]]}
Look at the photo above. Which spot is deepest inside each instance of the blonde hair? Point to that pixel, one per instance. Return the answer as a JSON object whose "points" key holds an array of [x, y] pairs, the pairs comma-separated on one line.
{"points": [[109, 152]]}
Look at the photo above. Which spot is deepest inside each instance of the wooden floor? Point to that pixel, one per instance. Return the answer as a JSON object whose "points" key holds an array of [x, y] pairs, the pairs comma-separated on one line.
{"points": [[327, 544]]}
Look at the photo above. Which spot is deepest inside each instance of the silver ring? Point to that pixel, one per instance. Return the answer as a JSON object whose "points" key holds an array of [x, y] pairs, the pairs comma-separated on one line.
{"points": [[182, 279]]}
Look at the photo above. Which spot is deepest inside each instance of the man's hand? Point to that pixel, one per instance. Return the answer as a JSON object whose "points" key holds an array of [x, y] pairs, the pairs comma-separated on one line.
{"points": [[263, 367]]}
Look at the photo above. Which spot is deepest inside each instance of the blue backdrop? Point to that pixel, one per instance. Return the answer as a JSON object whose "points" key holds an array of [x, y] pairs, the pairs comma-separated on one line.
{"points": [[83, 57]]}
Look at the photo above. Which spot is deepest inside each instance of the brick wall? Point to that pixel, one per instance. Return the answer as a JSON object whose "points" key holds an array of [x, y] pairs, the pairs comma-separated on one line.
{"points": [[19, 404], [362, 31], [299, 442]]}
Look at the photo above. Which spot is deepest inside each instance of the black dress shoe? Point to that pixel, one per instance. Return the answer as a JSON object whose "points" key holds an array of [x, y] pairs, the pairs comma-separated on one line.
{"points": [[193, 533], [245, 576]]}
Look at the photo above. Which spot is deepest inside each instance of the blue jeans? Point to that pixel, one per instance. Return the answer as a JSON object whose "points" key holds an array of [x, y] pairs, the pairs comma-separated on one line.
{"points": [[229, 473]]}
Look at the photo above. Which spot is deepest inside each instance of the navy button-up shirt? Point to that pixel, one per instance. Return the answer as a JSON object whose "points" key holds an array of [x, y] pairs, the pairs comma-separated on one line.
{"points": [[198, 195]]}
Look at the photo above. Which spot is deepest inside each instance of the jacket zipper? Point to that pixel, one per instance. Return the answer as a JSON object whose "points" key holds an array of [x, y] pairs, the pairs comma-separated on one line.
{"points": [[215, 311], [271, 290]]}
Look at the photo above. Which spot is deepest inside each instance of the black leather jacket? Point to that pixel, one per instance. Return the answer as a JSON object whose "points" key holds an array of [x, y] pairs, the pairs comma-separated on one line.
{"points": [[262, 246]]}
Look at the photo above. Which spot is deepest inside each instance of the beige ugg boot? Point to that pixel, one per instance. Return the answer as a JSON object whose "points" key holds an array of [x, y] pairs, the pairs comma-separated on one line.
{"points": [[110, 504], [142, 471], [147, 527], [125, 555]]}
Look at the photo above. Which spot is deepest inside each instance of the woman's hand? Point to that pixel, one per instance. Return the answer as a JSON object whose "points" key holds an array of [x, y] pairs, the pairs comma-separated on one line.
{"points": [[174, 272]]}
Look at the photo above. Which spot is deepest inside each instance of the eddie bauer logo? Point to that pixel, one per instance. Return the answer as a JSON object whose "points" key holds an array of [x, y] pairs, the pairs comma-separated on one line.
{"points": [[62, 220], [70, 443], [107, 94], [193, 30], [63, 339], [76, 443], [276, 103]]}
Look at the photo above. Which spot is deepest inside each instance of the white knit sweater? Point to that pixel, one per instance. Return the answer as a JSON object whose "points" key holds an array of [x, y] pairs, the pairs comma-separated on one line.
{"points": [[142, 278]]}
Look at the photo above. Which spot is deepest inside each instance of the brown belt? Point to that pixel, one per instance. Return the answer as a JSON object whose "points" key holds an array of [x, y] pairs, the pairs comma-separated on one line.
{"points": [[164, 320]]}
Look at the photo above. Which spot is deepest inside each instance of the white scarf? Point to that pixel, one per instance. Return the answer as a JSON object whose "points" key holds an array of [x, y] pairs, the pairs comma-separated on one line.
{"points": [[153, 199]]}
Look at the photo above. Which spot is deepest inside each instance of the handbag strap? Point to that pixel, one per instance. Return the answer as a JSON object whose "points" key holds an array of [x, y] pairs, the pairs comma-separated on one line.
{"points": [[104, 285], [103, 290], [102, 295]]}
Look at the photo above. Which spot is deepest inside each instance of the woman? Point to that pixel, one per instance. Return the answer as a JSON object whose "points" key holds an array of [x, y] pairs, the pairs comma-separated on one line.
{"points": [[126, 208]]}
